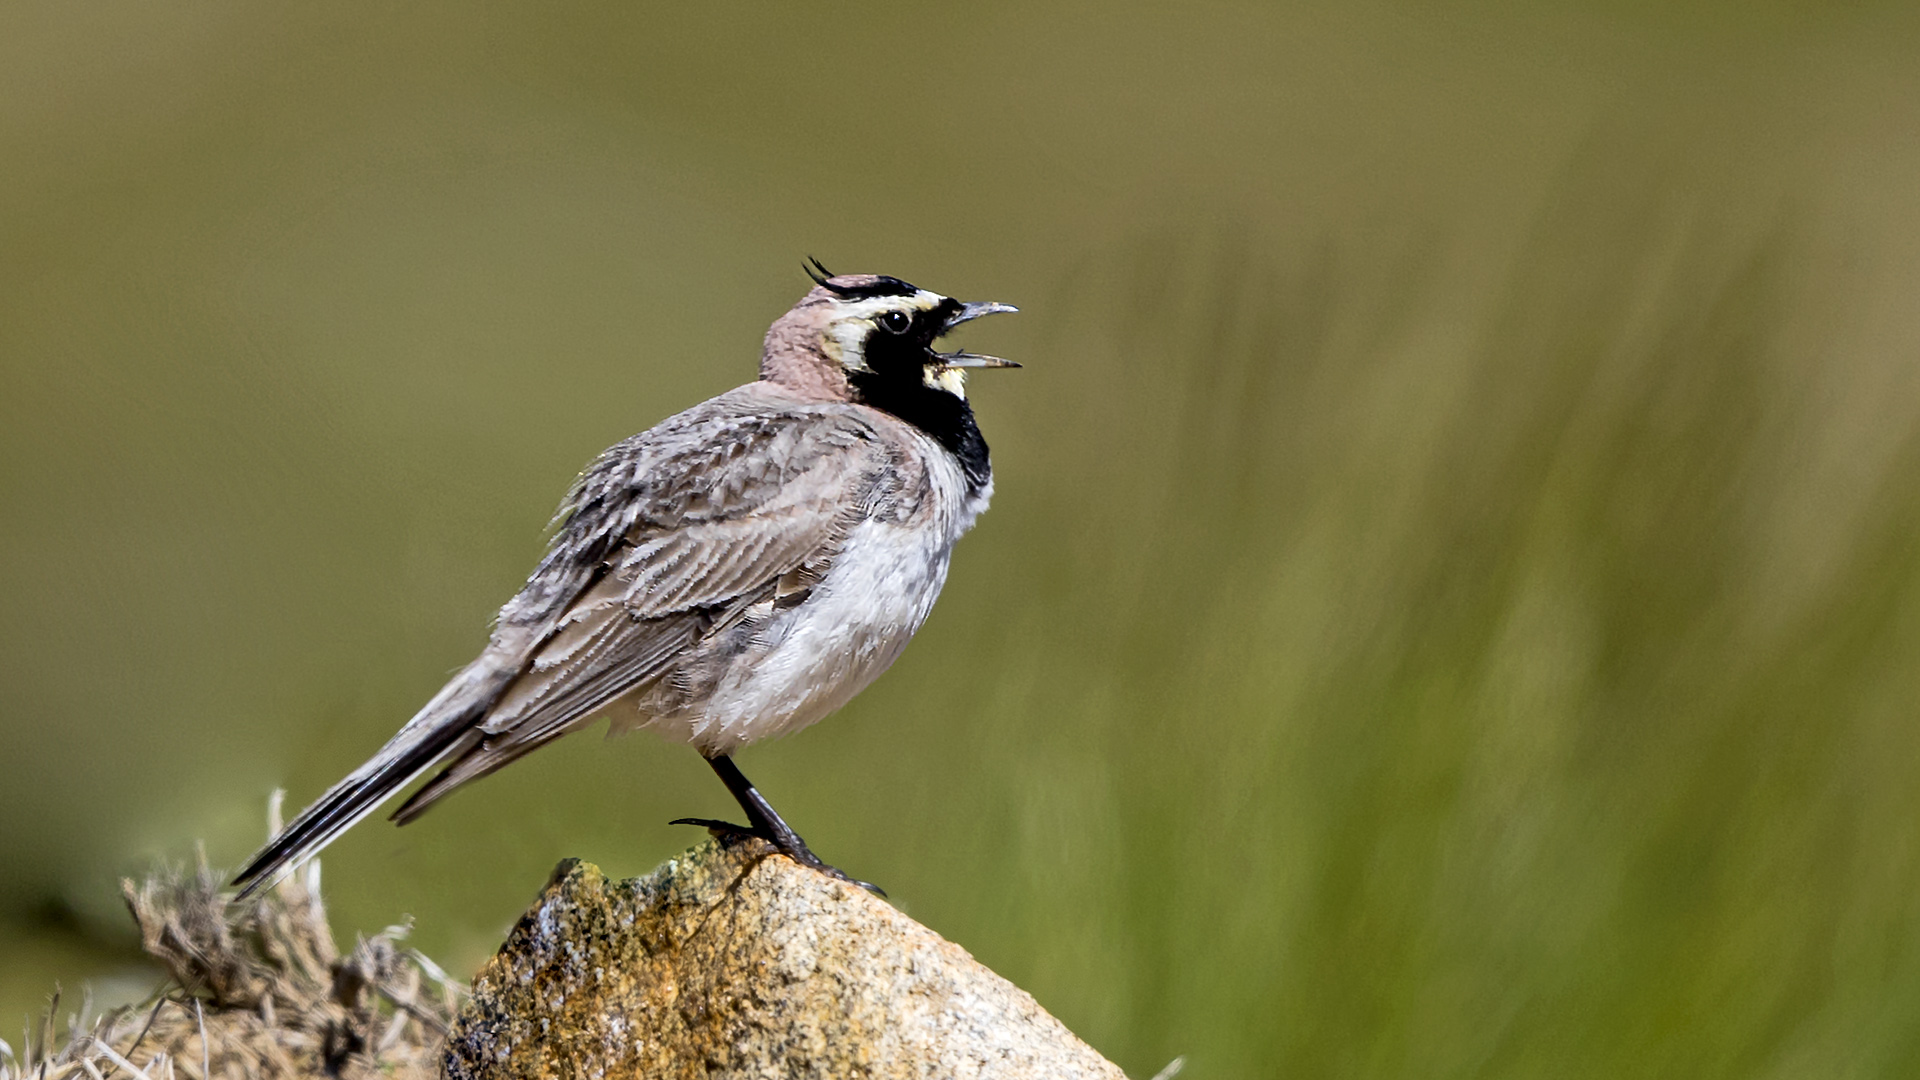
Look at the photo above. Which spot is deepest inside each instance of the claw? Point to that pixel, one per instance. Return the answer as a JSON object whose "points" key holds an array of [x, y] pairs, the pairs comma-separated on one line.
{"points": [[721, 828], [768, 827]]}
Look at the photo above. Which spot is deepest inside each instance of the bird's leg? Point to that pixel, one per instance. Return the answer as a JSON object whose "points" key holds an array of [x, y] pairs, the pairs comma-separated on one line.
{"points": [[767, 824]]}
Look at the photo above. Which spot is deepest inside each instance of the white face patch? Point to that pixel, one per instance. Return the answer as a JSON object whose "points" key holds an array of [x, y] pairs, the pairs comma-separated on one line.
{"points": [[853, 320]]}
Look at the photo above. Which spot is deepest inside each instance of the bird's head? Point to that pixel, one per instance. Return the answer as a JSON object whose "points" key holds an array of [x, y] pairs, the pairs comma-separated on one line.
{"points": [[870, 338]]}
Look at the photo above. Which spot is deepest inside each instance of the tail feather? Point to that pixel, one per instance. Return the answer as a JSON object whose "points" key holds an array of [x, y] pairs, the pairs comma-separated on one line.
{"points": [[446, 726], [469, 762]]}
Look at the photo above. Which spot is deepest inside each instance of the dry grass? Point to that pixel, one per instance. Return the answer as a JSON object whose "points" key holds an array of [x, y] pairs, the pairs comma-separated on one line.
{"points": [[254, 990]]}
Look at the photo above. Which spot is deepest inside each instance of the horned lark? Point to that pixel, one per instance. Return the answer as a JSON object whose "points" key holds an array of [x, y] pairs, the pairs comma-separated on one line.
{"points": [[735, 573]]}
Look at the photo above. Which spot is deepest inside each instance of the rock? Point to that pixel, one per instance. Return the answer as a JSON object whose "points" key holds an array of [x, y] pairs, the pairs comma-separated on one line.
{"points": [[733, 961]]}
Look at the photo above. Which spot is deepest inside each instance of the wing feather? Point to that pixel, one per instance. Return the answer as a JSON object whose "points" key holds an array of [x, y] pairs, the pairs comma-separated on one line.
{"points": [[666, 537], [681, 573]]}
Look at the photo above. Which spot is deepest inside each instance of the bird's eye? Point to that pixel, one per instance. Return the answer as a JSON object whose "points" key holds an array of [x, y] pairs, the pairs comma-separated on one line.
{"points": [[895, 322]]}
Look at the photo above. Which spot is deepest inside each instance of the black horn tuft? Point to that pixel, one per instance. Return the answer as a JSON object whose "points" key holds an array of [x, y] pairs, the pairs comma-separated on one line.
{"points": [[818, 273], [881, 285]]}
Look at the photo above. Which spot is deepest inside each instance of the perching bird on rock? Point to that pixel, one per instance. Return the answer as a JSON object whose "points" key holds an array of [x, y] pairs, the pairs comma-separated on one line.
{"points": [[737, 572]]}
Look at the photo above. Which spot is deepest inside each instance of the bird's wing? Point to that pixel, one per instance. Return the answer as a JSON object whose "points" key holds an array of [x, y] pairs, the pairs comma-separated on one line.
{"points": [[700, 542], [666, 537]]}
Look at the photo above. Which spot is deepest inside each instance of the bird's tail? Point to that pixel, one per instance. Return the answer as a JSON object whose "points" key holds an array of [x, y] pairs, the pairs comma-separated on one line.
{"points": [[446, 724]]}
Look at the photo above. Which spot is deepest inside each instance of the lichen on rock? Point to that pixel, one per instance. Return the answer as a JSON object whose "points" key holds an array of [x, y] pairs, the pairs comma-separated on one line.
{"points": [[733, 961]]}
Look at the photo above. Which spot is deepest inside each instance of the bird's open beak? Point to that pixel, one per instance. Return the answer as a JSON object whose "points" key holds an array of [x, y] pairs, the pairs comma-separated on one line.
{"points": [[973, 360], [968, 313]]}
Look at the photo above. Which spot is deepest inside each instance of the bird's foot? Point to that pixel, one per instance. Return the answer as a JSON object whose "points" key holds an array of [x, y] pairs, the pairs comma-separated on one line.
{"points": [[801, 854], [722, 828], [789, 845]]}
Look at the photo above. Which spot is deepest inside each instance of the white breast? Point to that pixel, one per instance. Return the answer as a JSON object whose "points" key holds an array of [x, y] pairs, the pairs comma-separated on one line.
{"points": [[811, 660]]}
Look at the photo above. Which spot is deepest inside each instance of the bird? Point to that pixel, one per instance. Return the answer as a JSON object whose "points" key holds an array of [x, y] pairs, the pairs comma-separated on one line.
{"points": [[734, 573]]}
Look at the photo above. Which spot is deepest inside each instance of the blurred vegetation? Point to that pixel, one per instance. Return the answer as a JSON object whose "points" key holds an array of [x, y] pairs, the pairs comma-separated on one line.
{"points": [[1451, 605]]}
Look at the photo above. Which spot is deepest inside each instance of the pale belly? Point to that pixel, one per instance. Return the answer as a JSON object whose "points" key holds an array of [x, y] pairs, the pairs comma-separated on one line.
{"points": [[803, 663]]}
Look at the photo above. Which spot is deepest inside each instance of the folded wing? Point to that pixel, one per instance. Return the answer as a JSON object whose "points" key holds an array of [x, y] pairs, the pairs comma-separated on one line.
{"points": [[667, 538]]}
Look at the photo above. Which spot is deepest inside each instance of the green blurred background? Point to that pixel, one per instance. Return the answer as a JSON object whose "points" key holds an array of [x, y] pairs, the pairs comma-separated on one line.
{"points": [[1452, 603]]}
